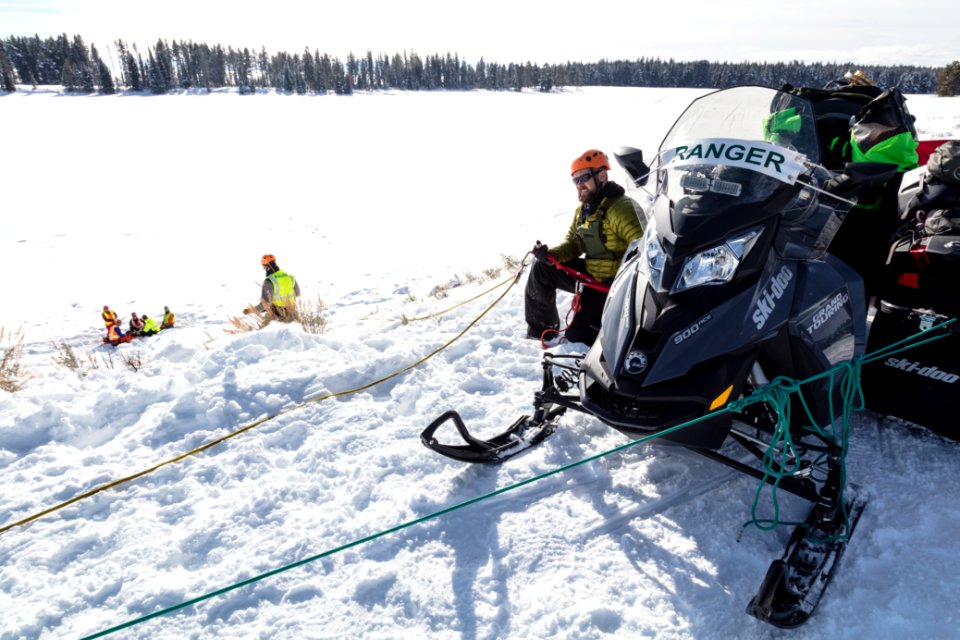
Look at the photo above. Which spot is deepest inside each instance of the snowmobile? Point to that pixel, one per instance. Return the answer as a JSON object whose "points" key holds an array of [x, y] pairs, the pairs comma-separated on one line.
{"points": [[731, 287], [919, 291]]}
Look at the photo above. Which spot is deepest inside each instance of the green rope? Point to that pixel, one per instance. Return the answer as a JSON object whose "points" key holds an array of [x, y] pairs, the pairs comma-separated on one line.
{"points": [[400, 527], [782, 460], [777, 394]]}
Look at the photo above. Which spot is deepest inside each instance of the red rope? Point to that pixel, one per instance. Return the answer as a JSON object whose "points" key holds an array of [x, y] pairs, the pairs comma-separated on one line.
{"points": [[585, 280], [588, 281]]}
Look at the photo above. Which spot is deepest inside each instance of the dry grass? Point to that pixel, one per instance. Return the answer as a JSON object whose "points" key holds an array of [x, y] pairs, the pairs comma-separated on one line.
{"points": [[210, 339], [440, 291], [92, 361], [67, 358], [13, 375], [510, 262], [245, 324], [133, 360], [310, 315]]}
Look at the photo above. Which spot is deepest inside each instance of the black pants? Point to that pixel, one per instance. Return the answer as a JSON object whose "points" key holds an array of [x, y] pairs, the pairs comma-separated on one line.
{"points": [[540, 302]]}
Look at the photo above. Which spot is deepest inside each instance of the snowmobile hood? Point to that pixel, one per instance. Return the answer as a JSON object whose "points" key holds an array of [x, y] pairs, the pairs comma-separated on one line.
{"points": [[739, 201]]}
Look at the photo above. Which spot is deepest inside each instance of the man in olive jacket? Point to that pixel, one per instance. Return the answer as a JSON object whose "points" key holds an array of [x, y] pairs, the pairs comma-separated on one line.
{"points": [[604, 225]]}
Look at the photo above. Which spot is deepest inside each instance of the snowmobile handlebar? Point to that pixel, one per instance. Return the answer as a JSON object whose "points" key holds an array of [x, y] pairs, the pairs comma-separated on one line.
{"points": [[858, 177]]}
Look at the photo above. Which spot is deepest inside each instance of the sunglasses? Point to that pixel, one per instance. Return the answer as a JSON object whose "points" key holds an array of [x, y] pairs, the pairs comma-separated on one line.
{"points": [[582, 179]]}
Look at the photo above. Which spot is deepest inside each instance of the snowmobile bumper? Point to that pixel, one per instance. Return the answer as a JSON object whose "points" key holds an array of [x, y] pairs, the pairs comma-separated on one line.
{"points": [[637, 410]]}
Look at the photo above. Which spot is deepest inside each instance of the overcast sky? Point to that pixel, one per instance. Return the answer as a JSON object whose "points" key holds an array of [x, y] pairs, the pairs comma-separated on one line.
{"points": [[859, 31]]}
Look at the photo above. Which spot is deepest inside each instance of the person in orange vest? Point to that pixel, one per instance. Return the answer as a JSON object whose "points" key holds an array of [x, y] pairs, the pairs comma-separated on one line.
{"points": [[108, 315], [115, 334], [168, 319]]}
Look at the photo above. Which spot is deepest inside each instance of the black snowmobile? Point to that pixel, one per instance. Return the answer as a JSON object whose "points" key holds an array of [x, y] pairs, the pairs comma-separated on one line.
{"points": [[919, 292], [730, 287]]}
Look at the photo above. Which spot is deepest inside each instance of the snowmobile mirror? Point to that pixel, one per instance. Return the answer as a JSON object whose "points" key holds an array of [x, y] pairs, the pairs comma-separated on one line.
{"points": [[858, 177], [631, 159]]}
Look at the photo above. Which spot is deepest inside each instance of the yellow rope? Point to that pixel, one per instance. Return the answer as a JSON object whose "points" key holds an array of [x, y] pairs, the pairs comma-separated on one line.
{"points": [[479, 295], [257, 423]]}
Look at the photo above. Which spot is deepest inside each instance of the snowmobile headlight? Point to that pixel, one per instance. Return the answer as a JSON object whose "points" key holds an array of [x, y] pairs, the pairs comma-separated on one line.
{"points": [[700, 184], [653, 258], [716, 265]]}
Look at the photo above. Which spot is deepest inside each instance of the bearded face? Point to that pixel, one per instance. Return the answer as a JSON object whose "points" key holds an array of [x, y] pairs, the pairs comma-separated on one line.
{"points": [[588, 183]]}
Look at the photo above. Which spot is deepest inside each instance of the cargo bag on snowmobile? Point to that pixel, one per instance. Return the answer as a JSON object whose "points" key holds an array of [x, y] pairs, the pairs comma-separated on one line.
{"points": [[920, 384], [923, 264]]}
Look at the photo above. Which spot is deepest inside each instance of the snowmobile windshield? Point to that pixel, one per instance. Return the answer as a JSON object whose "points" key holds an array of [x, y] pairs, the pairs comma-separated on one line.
{"points": [[737, 157], [736, 149], [749, 114]]}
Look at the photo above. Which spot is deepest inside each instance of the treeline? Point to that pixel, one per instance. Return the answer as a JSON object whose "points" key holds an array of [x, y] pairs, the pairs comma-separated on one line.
{"points": [[167, 67]]}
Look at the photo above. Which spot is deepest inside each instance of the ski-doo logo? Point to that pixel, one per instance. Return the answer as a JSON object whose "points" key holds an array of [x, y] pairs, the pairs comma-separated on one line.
{"points": [[691, 330], [827, 311], [902, 364], [769, 296]]}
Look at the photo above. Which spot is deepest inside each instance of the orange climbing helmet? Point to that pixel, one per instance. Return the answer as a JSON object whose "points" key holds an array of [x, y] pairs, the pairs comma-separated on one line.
{"points": [[592, 159], [267, 259]]}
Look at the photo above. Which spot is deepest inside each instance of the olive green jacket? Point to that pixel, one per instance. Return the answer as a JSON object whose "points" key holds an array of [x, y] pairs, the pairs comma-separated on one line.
{"points": [[622, 223]]}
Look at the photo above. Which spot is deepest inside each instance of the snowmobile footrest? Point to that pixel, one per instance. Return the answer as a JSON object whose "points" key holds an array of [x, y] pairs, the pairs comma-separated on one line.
{"points": [[522, 434]]}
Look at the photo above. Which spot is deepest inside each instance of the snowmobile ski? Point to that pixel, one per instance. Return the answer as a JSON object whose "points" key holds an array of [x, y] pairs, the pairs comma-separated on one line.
{"points": [[795, 583], [521, 435], [549, 404]]}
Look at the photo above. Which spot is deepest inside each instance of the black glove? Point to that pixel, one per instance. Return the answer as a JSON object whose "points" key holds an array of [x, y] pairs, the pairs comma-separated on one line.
{"points": [[540, 251]]}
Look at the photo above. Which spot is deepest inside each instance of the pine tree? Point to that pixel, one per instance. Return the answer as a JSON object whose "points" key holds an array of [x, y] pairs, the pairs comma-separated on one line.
{"points": [[948, 80], [8, 80], [131, 75], [77, 71], [160, 76], [103, 76]]}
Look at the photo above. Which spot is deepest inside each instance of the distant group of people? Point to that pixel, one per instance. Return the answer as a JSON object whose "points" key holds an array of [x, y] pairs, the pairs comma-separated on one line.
{"points": [[278, 297], [137, 326]]}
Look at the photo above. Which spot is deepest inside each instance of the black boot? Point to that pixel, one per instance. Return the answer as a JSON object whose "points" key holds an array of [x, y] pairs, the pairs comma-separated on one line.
{"points": [[540, 297]]}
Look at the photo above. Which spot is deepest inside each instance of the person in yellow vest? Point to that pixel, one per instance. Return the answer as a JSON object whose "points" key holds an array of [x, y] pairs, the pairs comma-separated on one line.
{"points": [[150, 327], [168, 319], [279, 292]]}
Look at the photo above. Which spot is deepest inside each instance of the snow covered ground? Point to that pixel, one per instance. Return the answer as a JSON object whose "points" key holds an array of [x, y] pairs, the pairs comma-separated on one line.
{"points": [[372, 201]]}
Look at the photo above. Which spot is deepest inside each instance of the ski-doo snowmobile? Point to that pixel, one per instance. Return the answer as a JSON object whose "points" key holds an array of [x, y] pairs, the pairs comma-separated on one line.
{"points": [[920, 291], [730, 287]]}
